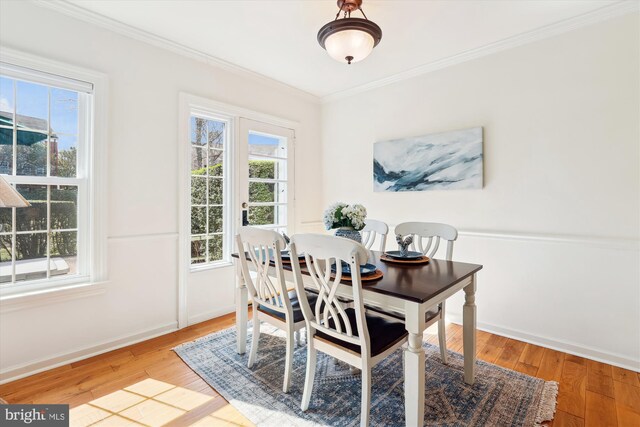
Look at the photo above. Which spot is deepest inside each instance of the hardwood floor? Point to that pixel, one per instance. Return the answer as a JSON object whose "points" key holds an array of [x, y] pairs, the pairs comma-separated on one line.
{"points": [[590, 394]]}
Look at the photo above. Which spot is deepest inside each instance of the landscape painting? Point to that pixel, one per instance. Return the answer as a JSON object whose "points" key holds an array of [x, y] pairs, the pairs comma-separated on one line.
{"points": [[438, 161]]}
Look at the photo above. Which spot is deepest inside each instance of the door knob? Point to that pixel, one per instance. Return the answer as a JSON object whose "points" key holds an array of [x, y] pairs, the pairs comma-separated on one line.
{"points": [[245, 205]]}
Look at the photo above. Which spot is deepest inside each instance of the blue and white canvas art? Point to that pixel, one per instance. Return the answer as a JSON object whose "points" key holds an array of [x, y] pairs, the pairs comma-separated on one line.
{"points": [[439, 161]]}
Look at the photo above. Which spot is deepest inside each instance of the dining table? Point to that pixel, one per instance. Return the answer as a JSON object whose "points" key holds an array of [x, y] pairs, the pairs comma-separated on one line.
{"points": [[408, 289]]}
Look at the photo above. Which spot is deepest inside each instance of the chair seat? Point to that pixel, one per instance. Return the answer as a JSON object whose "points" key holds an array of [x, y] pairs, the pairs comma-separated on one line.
{"points": [[295, 305], [383, 333]]}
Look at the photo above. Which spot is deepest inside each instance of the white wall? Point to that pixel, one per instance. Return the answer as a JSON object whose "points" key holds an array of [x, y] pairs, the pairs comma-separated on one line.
{"points": [[561, 157], [144, 82]]}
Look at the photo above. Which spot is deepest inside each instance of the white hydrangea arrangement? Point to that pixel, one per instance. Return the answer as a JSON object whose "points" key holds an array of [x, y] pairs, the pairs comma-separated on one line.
{"points": [[343, 215]]}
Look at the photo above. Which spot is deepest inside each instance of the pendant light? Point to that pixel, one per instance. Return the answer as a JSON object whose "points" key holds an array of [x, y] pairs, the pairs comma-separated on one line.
{"points": [[349, 39]]}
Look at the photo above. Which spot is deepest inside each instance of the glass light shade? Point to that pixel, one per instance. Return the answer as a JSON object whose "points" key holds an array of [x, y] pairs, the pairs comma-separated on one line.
{"points": [[355, 43]]}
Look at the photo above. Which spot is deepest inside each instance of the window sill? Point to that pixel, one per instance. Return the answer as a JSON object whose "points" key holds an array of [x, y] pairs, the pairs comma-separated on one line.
{"points": [[211, 266], [26, 300]]}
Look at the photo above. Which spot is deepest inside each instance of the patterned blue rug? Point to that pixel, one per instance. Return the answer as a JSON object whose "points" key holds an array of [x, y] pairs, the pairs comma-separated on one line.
{"points": [[499, 397]]}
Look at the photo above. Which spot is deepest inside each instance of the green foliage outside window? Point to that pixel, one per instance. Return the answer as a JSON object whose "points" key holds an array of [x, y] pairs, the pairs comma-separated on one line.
{"points": [[259, 192]]}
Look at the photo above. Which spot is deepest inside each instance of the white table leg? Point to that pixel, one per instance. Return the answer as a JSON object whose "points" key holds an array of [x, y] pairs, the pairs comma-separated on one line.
{"points": [[469, 331], [414, 371], [242, 310]]}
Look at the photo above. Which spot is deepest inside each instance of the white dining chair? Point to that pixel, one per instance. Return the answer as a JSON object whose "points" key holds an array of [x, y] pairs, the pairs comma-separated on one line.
{"points": [[347, 333], [375, 230], [426, 239], [271, 301]]}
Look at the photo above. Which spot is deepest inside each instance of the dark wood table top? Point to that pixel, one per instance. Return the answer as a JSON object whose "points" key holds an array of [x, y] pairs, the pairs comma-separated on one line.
{"points": [[418, 283]]}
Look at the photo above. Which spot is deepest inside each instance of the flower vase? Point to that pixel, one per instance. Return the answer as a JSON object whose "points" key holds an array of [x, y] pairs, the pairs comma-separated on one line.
{"points": [[349, 233]]}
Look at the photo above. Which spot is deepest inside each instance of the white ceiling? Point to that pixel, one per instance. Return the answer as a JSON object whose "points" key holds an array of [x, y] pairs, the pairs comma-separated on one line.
{"points": [[277, 38]]}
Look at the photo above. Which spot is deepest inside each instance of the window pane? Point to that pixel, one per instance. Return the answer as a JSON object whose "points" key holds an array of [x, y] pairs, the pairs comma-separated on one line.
{"points": [[5, 250], [5, 220], [198, 161], [261, 215], [215, 219], [64, 252], [215, 191], [6, 152], [63, 155], [215, 248], [267, 145], [198, 250], [64, 111], [31, 246], [32, 157], [216, 134], [265, 169], [6, 101], [198, 220], [33, 218], [198, 131], [32, 106], [64, 207], [198, 190], [215, 162]]}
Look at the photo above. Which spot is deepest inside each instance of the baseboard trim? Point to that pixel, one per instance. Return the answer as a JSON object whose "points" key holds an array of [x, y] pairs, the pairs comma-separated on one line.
{"points": [[16, 372], [615, 359], [211, 314]]}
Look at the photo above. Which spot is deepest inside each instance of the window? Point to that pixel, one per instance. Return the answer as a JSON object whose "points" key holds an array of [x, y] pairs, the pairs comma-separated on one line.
{"points": [[45, 135], [267, 181], [209, 192]]}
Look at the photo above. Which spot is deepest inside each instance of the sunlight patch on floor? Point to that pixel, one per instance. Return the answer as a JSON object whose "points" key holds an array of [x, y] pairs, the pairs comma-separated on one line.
{"points": [[154, 403]]}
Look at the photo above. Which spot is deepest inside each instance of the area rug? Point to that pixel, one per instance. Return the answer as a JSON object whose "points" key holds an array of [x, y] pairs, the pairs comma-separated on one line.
{"points": [[499, 397]]}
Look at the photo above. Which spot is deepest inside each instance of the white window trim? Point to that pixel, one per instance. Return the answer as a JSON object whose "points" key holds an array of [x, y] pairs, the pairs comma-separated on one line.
{"points": [[96, 186], [187, 104]]}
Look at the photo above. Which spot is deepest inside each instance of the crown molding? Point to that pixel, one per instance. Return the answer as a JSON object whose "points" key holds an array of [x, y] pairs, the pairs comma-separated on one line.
{"points": [[602, 14], [91, 17], [620, 8]]}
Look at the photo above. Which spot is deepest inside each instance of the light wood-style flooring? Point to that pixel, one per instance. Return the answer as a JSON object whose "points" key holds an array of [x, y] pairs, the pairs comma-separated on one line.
{"points": [[591, 393]]}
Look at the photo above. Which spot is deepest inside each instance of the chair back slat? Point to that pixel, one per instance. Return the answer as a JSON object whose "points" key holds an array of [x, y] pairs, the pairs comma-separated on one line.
{"points": [[427, 236], [372, 231], [321, 254], [262, 247]]}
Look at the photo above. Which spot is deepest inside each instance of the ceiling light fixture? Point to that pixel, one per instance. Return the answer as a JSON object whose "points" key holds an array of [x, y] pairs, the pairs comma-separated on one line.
{"points": [[349, 39]]}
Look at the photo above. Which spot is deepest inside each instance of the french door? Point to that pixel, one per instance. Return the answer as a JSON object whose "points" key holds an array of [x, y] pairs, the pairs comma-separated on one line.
{"points": [[234, 171], [265, 176]]}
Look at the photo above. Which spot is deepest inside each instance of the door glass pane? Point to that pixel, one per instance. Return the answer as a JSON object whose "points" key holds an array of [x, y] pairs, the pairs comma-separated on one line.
{"points": [[262, 215], [267, 192], [215, 219], [267, 145], [198, 190], [198, 161], [198, 249], [198, 220], [207, 189], [264, 169], [216, 134], [215, 191], [215, 162], [215, 248], [198, 131]]}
